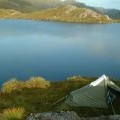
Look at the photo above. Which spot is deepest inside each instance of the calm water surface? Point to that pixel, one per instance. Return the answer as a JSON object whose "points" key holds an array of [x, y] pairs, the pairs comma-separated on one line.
{"points": [[58, 50]]}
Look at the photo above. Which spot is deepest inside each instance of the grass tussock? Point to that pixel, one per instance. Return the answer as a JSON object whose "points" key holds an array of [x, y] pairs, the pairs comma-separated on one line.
{"points": [[77, 78], [36, 82], [33, 82], [11, 85], [13, 114], [36, 99]]}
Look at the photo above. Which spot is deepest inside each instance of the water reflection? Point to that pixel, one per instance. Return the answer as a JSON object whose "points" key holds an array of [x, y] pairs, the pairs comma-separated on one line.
{"points": [[58, 50]]}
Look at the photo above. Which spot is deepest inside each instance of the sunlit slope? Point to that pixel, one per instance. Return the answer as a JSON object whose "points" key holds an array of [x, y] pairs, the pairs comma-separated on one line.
{"points": [[67, 13], [10, 14]]}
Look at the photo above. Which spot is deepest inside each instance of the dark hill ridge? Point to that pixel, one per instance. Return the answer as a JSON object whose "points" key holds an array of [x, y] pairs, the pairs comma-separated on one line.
{"points": [[112, 13], [28, 5]]}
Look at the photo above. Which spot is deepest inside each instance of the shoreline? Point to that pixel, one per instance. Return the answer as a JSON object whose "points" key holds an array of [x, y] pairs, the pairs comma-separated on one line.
{"points": [[60, 21], [71, 78]]}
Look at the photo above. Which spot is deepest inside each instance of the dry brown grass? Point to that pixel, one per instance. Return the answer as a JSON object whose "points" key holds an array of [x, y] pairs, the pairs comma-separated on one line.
{"points": [[36, 82], [33, 82], [13, 114], [11, 85]]}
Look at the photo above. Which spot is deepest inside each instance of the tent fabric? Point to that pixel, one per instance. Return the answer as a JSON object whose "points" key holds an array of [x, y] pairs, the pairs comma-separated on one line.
{"points": [[113, 88], [94, 94]]}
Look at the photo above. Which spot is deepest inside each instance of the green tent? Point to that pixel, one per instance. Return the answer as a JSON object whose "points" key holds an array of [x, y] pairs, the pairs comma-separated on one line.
{"points": [[96, 94]]}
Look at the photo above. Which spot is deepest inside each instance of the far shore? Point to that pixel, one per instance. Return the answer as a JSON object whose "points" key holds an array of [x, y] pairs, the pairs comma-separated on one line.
{"points": [[58, 21]]}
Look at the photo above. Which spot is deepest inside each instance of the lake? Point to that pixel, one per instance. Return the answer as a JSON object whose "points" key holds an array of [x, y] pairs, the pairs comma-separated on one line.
{"points": [[58, 50]]}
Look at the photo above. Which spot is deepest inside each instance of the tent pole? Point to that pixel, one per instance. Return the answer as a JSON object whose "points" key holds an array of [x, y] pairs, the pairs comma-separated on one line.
{"points": [[113, 110]]}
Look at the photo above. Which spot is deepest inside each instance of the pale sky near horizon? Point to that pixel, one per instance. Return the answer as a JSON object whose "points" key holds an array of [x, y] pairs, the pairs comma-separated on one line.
{"points": [[102, 3]]}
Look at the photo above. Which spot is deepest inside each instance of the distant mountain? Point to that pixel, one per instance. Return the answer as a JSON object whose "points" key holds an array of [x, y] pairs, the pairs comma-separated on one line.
{"points": [[67, 13], [21, 5], [112, 13], [36, 5]]}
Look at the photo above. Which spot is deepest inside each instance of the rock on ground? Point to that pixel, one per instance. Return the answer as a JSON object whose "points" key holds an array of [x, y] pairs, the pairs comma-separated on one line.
{"points": [[67, 116], [54, 116]]}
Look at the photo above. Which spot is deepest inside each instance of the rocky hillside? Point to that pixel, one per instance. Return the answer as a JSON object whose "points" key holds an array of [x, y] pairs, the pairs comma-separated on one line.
{"points": [[36, 5], [10, 13], [67, 13], [112, 13]]}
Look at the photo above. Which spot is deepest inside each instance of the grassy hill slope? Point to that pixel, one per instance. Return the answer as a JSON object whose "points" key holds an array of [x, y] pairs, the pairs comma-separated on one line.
{"points": [[10, 13], [28, 5], [67, 13]]}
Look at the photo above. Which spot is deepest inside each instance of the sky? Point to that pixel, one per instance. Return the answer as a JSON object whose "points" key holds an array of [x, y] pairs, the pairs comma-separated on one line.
{"points": [[103, 3]]}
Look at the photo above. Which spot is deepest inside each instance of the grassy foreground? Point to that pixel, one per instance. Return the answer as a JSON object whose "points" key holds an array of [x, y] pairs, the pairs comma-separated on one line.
{"points": [[39, 95]]}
